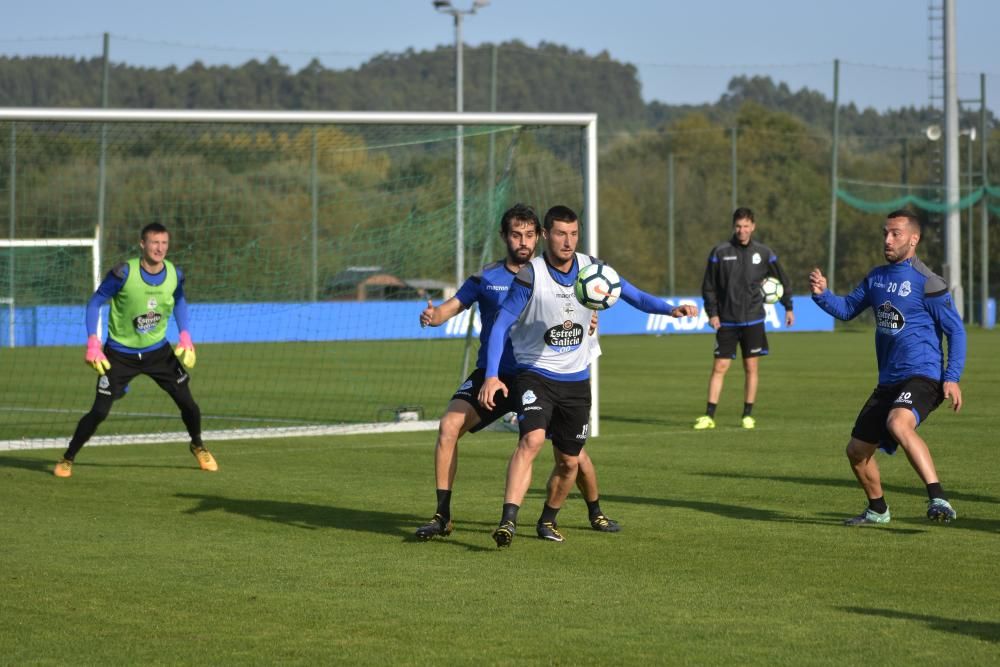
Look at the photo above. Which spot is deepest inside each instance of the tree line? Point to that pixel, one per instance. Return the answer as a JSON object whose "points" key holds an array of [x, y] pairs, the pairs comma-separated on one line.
{"points": [[783, 143]]}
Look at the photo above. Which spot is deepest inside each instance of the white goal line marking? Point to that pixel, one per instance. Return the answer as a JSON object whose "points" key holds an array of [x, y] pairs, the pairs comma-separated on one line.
{"points": [[160, 415], [227, 434]]}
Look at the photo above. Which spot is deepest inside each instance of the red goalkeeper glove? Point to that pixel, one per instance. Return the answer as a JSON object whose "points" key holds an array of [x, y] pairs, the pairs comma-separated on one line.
{"points": [[95, 355], [184, 350]]}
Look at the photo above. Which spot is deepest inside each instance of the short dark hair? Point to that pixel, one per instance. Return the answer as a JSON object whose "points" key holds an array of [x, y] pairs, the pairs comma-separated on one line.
{"points": [[742, 213], [911, 218], [152, 228], [559, 214], [519, 212]]}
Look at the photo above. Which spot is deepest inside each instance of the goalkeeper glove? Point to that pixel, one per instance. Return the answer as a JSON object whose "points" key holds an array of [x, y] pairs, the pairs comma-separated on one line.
{"points": [[185, 350], [95, 355]]}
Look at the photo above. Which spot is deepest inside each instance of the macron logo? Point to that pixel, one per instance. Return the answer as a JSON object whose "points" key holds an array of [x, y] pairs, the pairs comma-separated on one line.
{"points": [[497, 288]]}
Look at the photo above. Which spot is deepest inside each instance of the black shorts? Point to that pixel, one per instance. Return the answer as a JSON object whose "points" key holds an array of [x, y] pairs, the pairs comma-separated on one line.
{"points": [[752, 340], [159, 364], [919, 395], [469, 392], [562, 409]]}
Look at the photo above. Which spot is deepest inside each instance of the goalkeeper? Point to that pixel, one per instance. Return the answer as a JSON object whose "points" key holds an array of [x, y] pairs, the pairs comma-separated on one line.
{"points": [[143, 292]]}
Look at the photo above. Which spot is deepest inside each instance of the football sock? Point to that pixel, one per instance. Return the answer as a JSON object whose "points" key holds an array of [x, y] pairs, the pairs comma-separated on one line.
{"points": [[548, 514], [444, 503], [878, 505], [747, 409], [86, 427], [594, 507], [509, 512], [190, 413], [710, 409], [934, 490]]}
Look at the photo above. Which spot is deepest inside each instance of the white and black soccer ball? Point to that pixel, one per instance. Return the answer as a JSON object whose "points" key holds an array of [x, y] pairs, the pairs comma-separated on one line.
{"points": [[771, 289], [598, 286]]}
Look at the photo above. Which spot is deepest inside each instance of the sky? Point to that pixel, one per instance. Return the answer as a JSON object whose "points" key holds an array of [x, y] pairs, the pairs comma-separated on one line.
{"points": [[685, 52]]}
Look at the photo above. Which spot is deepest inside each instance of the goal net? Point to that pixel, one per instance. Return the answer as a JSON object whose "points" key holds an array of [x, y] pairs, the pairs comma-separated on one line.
{"points": [[309, 242]]}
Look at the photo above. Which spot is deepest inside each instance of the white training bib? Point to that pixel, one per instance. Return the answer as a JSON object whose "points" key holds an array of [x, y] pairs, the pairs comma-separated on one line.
{"points": [[552, 332]]}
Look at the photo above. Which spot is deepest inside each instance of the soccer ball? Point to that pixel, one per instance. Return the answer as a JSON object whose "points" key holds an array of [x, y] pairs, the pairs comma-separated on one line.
{"points": [[771, 289], [598, 286]]}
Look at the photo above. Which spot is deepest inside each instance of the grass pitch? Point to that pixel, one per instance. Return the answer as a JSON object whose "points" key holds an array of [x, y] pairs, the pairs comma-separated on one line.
{"points": [[732, 552]]}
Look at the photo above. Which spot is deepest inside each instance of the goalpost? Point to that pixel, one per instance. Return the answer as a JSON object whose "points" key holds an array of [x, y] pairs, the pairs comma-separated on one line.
{"points": [[11, 300], [310, 241]]}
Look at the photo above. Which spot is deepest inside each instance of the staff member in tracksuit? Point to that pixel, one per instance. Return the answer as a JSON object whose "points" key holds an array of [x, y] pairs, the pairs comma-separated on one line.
{"points": [[735, 309]]}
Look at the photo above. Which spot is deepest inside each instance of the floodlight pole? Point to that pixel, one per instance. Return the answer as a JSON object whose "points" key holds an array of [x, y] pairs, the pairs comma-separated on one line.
{"points": [[459, 159], [984, 223], [670, 224], [732, 161], [102, 169], [953, 223], [831, 265], [445, 7], [969, 273], [12, 217]]}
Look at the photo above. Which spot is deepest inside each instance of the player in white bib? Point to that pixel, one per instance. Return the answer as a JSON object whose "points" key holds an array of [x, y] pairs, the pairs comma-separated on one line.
{"points": [[520, 229], [547, 327]]}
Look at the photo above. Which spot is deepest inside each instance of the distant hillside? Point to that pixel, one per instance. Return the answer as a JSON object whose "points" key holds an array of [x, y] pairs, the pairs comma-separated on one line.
{"points": [[546, 78], [783, 140]]}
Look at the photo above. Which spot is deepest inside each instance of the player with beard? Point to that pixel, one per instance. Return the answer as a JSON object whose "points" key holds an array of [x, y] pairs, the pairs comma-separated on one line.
{"points": [[519, 228], [913, 310], [543, 323]]}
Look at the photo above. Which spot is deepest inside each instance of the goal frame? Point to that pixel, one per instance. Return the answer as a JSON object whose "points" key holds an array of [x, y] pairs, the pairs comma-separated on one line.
{"points": [[587, 122], [95, 267]]}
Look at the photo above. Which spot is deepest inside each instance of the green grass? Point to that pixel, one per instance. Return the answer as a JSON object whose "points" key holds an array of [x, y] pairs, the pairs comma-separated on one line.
{"points": [[46, 390], [300, 551]]}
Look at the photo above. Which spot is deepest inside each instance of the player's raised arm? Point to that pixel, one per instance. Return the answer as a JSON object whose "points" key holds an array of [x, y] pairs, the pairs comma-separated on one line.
{"points": [[467, 294], [648, 303], [842, 307], [817, 281], [435, 316]]}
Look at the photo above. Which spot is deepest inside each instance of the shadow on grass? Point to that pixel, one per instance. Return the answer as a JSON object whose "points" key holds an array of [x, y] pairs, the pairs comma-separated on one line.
{"points": [[964, 521], [850, 483], [642, 420], [34, 465], [984, 630], [740, 512], [744, 513], [314, 517], [45, 465]]}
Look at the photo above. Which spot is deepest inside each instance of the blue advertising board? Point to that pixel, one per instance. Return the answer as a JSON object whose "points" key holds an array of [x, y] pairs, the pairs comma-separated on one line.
{"points": [[371, 320]]}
